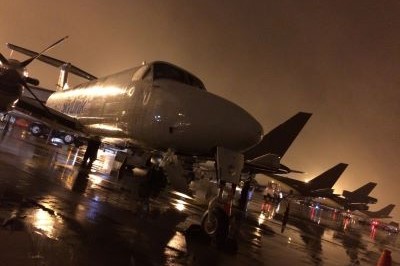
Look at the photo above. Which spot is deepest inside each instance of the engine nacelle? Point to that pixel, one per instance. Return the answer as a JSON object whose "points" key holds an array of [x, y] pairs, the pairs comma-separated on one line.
{"points": [[9, 96], [10, 90]]}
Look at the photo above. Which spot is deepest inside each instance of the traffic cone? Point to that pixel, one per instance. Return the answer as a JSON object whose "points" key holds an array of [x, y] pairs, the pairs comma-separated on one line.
{"points": [[385, 258]]}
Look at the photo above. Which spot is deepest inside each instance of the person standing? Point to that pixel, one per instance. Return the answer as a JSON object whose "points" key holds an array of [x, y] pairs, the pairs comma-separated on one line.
{"points": [[93, 146]]}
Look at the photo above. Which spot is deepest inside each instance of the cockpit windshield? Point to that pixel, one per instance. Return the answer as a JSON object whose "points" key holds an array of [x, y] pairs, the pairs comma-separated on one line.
{"points": [[166, 71]]}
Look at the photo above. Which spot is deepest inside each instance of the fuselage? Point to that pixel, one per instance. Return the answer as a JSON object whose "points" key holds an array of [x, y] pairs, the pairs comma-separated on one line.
{"points": [[160, 106]]}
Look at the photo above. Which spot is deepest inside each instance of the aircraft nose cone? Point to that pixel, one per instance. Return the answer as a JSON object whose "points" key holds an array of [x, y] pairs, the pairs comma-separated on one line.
{"points": [[234, 127], [246, 131]]}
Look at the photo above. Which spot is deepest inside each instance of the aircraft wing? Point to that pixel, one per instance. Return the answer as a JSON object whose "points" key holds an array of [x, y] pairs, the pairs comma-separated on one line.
{"points": [[35, 109]]}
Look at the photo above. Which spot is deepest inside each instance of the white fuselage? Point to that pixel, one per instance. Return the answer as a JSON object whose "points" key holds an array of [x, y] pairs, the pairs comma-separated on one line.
{"points": [[158, 114]]}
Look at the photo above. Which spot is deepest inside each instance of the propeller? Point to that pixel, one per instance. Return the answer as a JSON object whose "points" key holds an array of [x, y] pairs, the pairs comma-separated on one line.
{"points": [[12, 71], [28, 61], [3, 60]]}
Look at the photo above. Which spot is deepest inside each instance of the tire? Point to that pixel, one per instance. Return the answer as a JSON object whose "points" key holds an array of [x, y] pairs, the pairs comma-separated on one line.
{"points": [[68, 139], [217, 226], [36, 130]]}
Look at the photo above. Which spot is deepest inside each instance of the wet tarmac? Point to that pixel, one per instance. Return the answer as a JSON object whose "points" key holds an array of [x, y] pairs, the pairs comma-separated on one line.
{"points": [[53, 212]]}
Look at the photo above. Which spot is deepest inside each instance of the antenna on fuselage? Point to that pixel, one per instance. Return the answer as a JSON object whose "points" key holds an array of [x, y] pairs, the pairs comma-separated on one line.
{"points": [[62, 83]]}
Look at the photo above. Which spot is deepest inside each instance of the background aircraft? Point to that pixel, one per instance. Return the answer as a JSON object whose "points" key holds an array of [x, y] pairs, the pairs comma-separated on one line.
{"points": [[360, 195], [268, 153], [320, 186], [352, 200], [380, 214]]}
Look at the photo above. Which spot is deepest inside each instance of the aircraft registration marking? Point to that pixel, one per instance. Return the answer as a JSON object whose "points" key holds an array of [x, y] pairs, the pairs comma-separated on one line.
{"points": [[74, 106]]}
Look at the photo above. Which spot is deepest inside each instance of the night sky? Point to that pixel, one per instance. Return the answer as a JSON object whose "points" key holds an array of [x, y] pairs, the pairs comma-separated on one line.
{"points": [[336, 59]]}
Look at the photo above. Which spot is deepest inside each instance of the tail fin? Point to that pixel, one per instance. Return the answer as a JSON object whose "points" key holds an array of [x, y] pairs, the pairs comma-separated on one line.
{"points": [[278, 140], [365, 190], [383, 213], [328, 178]]}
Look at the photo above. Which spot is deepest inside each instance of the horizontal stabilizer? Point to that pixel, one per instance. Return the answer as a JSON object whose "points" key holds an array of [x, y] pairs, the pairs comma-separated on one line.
{"points": [[278, 140], [51, 61]]}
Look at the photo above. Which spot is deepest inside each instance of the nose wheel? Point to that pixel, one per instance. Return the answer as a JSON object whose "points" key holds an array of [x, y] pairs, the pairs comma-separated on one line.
{"points": [[216, 224]]}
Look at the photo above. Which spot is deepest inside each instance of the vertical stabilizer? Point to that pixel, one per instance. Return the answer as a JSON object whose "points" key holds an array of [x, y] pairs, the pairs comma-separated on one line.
{"points": [[328, 178], [382, 213], [365, 190], [278, 140]]}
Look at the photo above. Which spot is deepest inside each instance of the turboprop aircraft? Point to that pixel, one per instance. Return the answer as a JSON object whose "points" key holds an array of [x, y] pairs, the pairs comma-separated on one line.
{"points": [[157, 107]]}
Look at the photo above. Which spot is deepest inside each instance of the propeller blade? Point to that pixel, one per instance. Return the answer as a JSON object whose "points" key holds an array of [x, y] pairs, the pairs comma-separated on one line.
{"points": [[28, 61], [3, 60], [52, 61]]}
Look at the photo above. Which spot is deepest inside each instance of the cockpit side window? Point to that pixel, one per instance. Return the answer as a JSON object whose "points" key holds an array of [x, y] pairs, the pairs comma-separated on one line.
{"points": [[196, 82], [165, 71]]}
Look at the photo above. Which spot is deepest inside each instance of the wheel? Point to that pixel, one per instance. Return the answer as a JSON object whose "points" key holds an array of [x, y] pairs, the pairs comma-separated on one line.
{"points": [[68, 138], [36, 130], [216, 225]]}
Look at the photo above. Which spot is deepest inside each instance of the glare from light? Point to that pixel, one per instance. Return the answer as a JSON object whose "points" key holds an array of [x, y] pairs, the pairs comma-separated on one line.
{"points": [[44, 222], [106, 127], [92, 92], [261, 218], [182, 195], [180, 206], [96, 180]]}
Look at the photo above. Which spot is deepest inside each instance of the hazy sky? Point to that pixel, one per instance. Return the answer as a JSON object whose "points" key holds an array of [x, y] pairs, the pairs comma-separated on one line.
{"points": [[336, 59]]}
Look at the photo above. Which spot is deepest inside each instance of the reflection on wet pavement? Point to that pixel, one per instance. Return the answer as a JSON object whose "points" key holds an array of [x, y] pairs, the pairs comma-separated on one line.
{"points": [[53, 212]]}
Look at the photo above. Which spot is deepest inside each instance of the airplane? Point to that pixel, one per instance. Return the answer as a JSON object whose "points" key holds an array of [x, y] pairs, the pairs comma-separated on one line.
{"points": [[274, 145], [320, 186], [360, 195], [380, 214], [352, 200], [157, 107], [269, 152]]}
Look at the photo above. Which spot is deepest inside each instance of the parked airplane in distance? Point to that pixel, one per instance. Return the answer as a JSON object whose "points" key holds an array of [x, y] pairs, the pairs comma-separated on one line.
{"points": [[352, 200], [380, 214], [320, 186], [273, 146], [360, 195]]}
